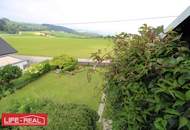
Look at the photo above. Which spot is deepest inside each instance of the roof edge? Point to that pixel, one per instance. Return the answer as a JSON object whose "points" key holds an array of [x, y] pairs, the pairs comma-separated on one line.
{"points": [[185, 14]]}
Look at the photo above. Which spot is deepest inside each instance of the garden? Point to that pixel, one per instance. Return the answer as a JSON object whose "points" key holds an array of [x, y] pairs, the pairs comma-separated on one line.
{"points": [[58, 87]]}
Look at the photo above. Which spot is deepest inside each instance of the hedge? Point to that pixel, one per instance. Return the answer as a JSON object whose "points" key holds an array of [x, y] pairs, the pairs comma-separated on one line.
{"points": [[148, 82], [60, 116]]}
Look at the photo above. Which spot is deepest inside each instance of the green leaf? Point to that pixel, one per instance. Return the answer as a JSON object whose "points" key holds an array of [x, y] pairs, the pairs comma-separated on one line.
{"points": [[172, 61], [172, 111], [168, 116], [179, 59], [178, 103], [181, 80], [182, 122], [160, 124], [184, 78], [160, 61], [187, 95], [180, 95]]}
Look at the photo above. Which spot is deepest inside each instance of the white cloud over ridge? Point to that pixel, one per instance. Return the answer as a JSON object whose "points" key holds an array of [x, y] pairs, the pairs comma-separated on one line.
{"points": [[69, 11]]}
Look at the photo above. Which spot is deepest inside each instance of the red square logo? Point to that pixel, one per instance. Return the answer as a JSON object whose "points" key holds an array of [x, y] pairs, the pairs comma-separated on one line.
{"points": [[9, 119]]}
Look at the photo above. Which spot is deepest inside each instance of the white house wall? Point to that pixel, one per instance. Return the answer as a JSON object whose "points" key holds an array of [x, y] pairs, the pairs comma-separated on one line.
{"points": [[8, 60], [21, 65]]}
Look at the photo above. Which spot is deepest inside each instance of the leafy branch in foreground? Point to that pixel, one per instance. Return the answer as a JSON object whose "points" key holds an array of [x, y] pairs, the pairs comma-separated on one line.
{"points": [[148, 82]]}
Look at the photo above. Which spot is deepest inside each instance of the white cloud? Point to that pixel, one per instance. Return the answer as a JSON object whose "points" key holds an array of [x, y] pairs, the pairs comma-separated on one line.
{"points": [[64, 11]]}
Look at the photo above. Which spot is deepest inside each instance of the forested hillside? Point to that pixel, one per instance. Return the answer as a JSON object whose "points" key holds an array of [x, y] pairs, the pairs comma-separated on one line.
{"points": [[12, 27]]}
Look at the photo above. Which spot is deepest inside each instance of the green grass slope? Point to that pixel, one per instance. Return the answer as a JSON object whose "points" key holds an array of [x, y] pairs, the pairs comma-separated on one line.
{"points": [[61, 89]]}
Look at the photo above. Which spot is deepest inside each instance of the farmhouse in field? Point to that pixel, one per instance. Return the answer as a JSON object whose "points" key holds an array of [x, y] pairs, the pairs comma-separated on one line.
{"points": [[6, 59], [181, 25]]}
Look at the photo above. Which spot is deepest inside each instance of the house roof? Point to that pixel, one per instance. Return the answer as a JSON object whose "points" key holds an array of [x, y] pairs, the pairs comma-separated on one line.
{"points": [[181, 25], [179, 22], [5, 48]]}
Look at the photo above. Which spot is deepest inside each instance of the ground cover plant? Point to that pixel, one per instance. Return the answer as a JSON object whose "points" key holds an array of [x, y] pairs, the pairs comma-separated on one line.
{"points": [[54, 46], [148, 82]]}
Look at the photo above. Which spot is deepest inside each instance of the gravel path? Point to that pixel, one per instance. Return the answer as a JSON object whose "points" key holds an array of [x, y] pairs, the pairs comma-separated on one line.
{"points": [[32, 59], [106, 124], [37, 59]]}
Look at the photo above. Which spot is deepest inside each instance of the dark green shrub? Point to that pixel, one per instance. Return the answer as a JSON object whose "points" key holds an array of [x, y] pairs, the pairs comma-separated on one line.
{"points": [[63, 62], [8, 73], [60, 116], [148, 82]]}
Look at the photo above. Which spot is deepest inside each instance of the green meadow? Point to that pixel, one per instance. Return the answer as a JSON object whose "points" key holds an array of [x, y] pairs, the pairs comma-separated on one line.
{"points": [[79, 47]]}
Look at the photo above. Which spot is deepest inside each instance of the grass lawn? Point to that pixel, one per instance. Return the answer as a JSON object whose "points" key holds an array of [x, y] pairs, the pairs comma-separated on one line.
{"points": [[53, 46], [61, 88]]}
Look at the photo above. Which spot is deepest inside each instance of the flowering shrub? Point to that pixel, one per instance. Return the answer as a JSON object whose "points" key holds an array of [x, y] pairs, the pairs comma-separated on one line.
{"points": [[38, 69]]}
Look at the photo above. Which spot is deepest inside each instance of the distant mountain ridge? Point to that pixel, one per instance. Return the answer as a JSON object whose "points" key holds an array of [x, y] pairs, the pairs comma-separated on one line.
{"points": [[59, 28], [13, 27]]}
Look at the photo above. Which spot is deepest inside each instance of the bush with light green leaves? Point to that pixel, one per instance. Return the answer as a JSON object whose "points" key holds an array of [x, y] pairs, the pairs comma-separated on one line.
{"points": [[64, 62], [38, 69]]}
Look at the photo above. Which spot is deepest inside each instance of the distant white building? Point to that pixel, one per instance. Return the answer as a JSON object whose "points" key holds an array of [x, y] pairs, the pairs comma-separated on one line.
{"points": [[6, 59]]}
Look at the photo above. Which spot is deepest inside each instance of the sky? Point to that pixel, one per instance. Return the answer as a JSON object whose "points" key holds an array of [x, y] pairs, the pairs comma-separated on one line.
{"points": [[63, 12]]}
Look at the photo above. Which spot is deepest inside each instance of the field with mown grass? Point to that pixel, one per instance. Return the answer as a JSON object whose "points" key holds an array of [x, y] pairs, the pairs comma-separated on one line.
{"points": [[61, 88], [30, 44]]}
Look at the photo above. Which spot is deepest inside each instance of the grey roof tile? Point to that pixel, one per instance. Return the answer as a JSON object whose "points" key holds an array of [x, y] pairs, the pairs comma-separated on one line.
{"points": [[5, 48]]}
